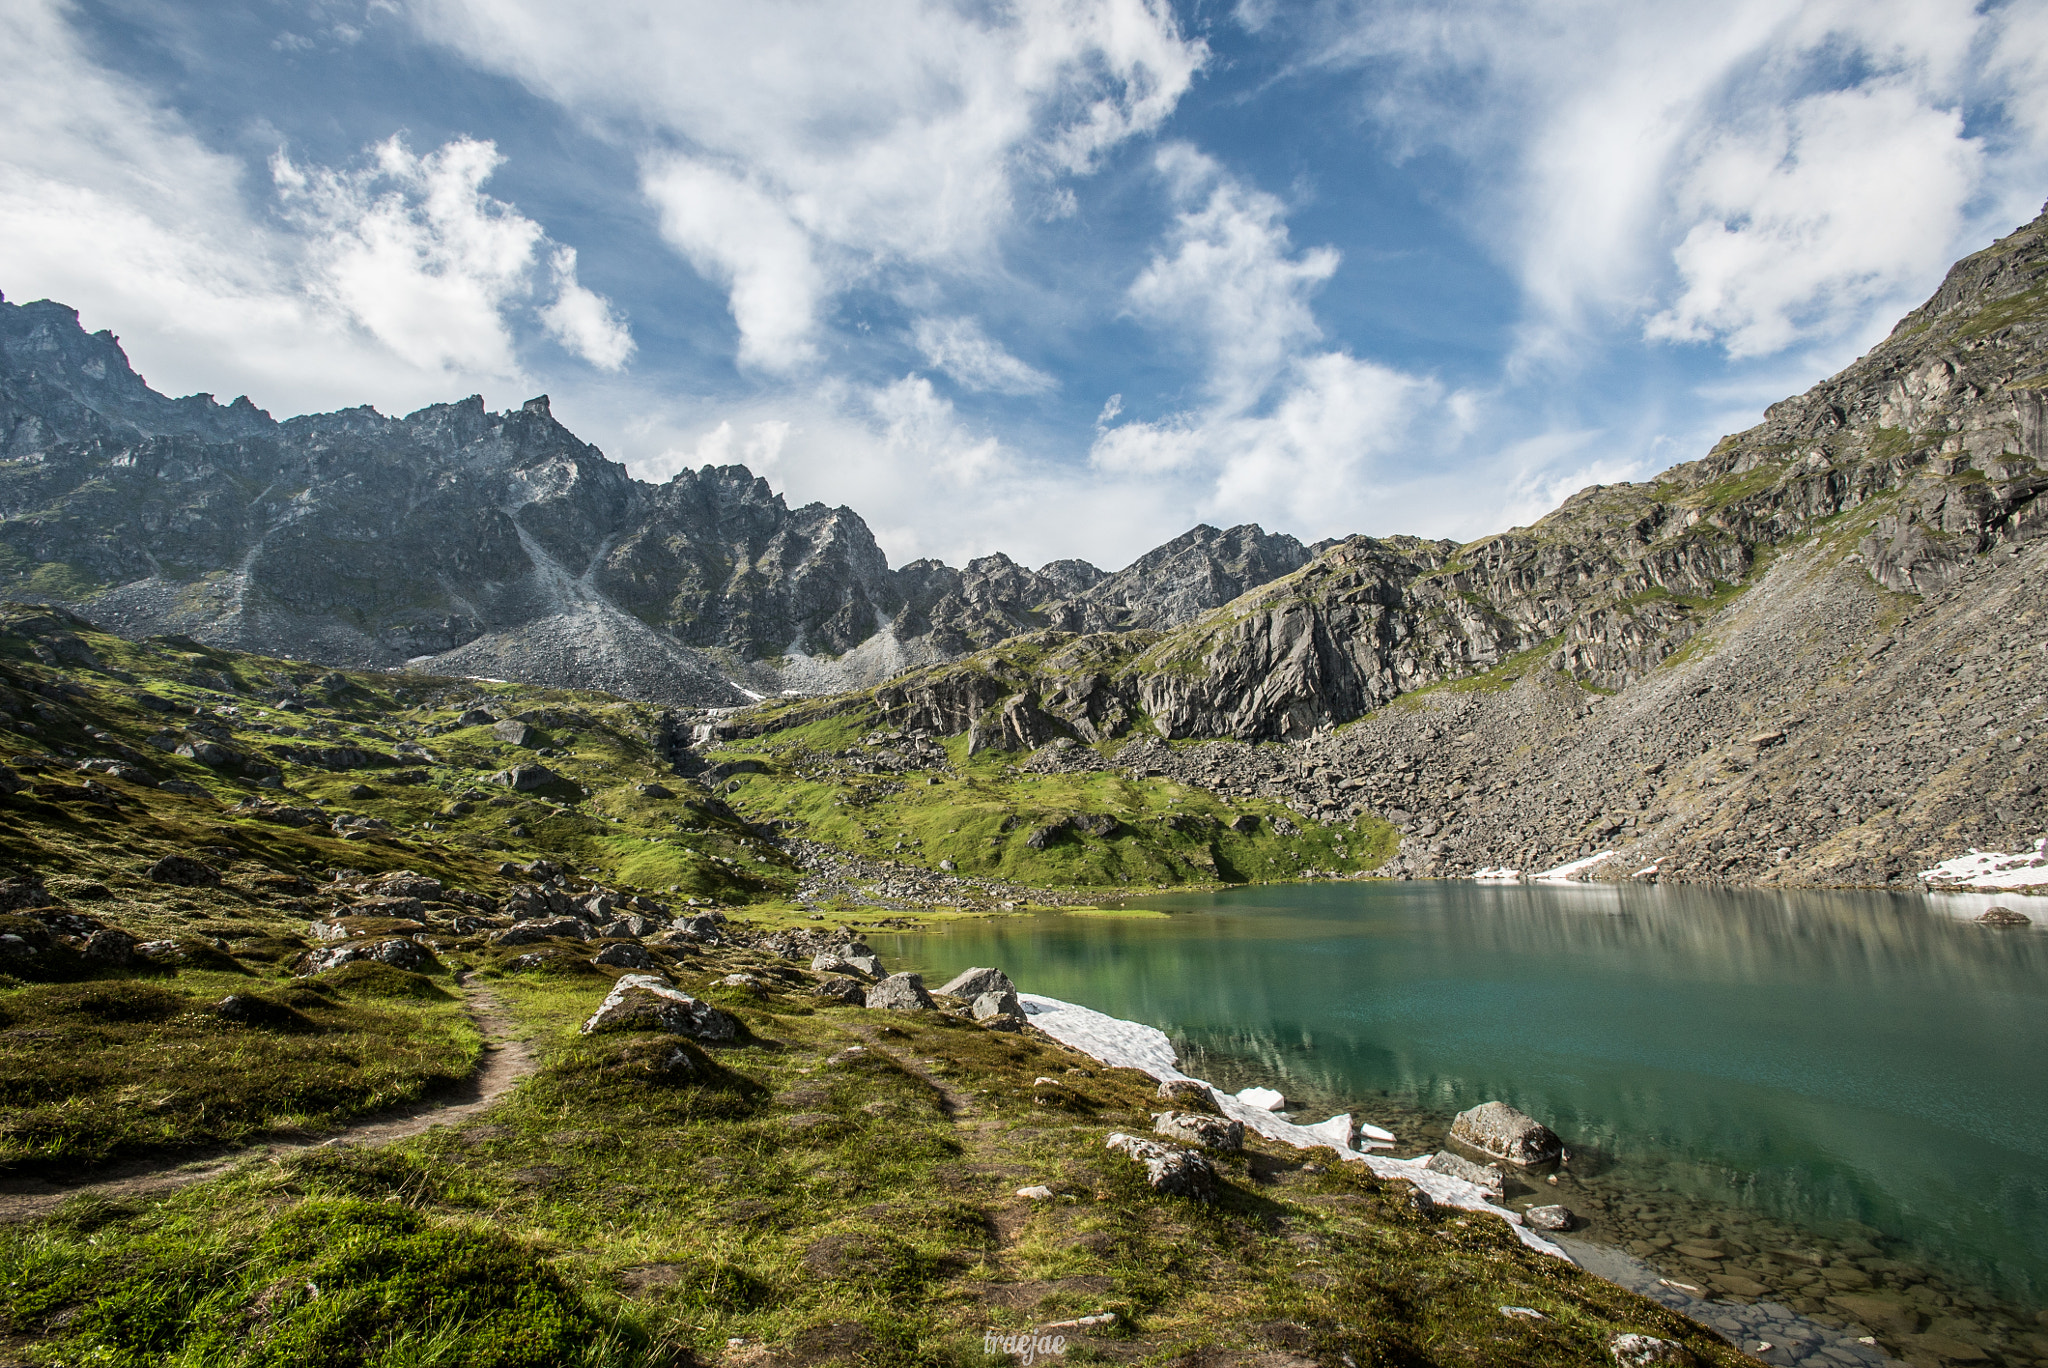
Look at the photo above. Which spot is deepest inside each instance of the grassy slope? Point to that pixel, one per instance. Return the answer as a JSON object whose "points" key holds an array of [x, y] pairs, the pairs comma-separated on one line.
{"points": [[979, 812], [780, 1193]]}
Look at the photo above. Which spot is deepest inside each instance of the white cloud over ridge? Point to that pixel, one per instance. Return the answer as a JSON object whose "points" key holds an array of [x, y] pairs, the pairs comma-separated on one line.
{"points": [[388, 283], [1760, 175], [802, 147]]}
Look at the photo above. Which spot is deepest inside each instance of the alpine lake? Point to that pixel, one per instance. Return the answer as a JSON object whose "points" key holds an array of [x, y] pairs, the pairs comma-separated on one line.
{"points": [[1837, 1101]]}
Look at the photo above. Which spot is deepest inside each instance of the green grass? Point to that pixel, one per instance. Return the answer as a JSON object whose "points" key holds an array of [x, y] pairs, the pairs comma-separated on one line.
{"points": [[980, 813], [623, 1209], [113, 1067]]}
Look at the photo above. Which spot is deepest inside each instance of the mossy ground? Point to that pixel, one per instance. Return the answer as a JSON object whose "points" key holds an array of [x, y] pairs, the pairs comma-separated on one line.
{"points": [[119, 1066], [785, 1201]]}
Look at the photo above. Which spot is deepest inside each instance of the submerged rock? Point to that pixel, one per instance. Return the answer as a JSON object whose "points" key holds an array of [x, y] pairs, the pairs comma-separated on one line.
{"points": [[1549, 1218], [1497, 1129], [1487, 1176], [2004, 916]]}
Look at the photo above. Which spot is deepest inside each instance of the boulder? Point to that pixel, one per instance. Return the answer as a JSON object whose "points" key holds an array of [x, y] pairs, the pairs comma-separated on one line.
{"points": [[1491, 1177], [110, 946], [1189, 1095], [513, 733], [540, 929], [1192, 1128], [1169, 1169], [900, 993], [647, 1002], [2004, 916], [1641, 1351], [848, 990], [1497, 1129], [1549, 1218], [656, 791], [1006, 1021], [832, 962], [525, 778], [183, 871], [632, 927], [400, 952], [625, 955], [972, 983], [403, 883], [475, 717], [996, 1004]]}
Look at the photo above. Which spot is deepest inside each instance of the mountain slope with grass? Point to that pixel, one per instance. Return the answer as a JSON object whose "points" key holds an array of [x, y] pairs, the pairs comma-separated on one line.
{"points": [[247, 905]]}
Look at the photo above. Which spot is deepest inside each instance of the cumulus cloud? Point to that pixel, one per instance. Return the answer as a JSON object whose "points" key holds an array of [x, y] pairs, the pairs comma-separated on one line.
{"points": [[736, 233], [1291, 434], [802, 147], [960, 348], [387, 282], [1756, 174], [1229, 279], [1801, 223], [583, 320]]}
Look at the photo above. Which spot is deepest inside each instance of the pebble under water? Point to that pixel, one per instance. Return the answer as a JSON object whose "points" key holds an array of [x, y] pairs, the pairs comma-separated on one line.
{"points": [[1831, 1102]]}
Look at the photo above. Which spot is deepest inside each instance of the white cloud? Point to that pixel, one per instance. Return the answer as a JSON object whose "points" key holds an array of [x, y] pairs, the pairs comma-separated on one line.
{"points": [[960, 348], [413, 250], [1801, 224], [798, 148], [583, 320], [1230, 280], [737, 234], [110, 203], [1694, 164]]}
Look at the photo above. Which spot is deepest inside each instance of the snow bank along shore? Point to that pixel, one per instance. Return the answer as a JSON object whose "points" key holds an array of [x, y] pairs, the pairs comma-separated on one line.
{"points": [[1132, 1045]]}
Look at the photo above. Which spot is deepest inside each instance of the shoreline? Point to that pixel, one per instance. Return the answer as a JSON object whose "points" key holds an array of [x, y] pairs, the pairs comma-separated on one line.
{"points": [[1764, 1327]]}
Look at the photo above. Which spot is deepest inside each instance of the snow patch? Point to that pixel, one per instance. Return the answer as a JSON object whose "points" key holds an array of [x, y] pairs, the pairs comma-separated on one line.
{"points": [[1265, 1099], [1132, 1045], [1501, 875], [1991, 869], [1568, 873]]}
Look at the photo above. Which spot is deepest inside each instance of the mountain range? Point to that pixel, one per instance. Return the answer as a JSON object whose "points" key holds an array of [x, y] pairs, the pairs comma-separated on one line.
{"points": [[1811, 654]]}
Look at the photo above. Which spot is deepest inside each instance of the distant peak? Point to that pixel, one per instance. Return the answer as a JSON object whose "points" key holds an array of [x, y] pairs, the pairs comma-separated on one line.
{"points": [[537, 404]]}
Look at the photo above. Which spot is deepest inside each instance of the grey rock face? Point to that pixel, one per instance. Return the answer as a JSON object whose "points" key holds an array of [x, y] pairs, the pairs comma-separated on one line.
{"points": [[647, 1002], [1643, 1351], [526, 778], [1168, 1169], [972, 983], [847, 990], [1497, 1129], [900, 993], [499, 544], [1193, 1128]]}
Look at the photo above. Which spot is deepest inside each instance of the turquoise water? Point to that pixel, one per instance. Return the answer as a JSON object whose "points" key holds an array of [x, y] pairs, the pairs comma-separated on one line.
{"points": [[1836, 1062]]}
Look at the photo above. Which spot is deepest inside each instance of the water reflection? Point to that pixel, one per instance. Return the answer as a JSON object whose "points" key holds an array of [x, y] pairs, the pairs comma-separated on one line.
{"points": [[1819, 1057]]}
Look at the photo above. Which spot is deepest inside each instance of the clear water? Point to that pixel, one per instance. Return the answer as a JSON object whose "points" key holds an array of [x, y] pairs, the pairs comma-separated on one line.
{"points": [[1865, 1063]]}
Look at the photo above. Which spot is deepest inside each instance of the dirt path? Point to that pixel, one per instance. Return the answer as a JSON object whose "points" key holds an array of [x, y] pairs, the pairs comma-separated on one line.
{"points": [[505, 1060]]}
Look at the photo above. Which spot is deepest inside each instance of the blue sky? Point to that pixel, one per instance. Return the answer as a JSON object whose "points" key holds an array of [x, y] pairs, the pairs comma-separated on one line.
{"points": [[1048, 277]]}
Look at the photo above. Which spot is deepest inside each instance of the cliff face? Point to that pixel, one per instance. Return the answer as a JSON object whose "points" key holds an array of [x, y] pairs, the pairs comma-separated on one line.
{"points": [[495, 543]]}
